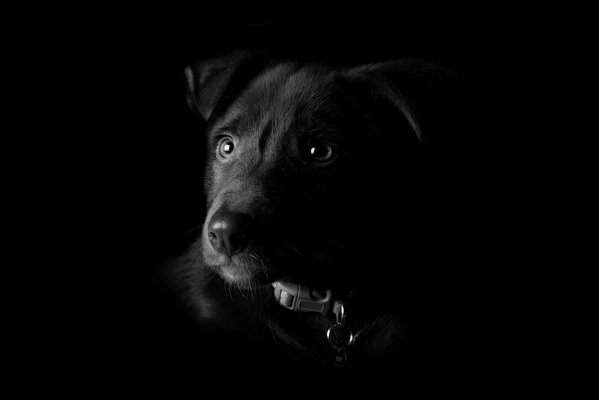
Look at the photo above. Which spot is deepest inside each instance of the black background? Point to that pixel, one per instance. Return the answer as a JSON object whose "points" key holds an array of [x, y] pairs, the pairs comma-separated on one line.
{"points": [[127, 154]]}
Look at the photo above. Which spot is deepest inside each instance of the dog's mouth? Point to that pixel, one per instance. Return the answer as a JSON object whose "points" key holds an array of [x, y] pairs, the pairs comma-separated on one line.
{"points": [[234, 274], [258, 267], [245, 270]]}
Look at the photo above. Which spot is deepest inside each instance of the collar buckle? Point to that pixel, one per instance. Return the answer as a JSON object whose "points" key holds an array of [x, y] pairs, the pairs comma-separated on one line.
{"points": [[298, 297]]}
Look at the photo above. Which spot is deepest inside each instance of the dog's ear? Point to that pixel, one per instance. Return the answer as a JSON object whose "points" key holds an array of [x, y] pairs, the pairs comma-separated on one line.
{"points": [[422, 92], [213, 83]]}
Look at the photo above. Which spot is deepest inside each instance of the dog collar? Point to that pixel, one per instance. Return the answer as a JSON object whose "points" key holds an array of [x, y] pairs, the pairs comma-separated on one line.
{"points": [[298, 297]]}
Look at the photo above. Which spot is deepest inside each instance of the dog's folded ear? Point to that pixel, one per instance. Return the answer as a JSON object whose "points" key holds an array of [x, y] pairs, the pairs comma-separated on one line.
{"points": [[212, 84], [423, 93]]}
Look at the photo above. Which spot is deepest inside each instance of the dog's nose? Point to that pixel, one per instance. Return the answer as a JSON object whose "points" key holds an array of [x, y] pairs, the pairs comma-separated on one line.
{"points": [[229, 233]]}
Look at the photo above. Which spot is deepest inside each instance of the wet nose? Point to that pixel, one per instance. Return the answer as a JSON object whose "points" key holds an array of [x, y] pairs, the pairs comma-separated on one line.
{"points": [[229, 233]]}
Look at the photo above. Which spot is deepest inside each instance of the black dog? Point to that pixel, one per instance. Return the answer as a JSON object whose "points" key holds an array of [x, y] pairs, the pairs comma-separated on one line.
{"points": [[322, 218]]}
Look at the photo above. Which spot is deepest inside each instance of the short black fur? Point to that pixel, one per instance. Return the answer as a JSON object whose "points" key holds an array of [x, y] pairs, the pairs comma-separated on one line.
{"points": [[366, 223]]}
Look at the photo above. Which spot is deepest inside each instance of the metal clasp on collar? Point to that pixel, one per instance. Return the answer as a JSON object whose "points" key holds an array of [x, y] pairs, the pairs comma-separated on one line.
{"points": [[296, 297], [340, 336]]}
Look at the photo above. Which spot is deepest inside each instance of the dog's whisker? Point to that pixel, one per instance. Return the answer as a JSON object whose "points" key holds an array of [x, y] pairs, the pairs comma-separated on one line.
{"points": [[265, 269], [263, 266], [253, 291], [194, 229], [293, 248], [195, 255], [227, 288], [322, 256]]}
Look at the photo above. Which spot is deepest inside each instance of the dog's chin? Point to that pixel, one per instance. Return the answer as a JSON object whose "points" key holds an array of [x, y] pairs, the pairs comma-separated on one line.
{"points": [[237, 275], [240, 270]]}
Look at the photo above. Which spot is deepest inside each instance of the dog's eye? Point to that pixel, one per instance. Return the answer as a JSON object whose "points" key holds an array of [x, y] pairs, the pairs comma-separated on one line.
{"points": [[320, 151], [225, 148]]}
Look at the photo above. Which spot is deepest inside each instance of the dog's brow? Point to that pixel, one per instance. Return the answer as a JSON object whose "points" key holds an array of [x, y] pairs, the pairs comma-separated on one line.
{"points": [[266, 132], [228, 126]]}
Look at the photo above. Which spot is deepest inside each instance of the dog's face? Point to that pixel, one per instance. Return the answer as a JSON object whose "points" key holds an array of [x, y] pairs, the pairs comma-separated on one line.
{"points": [[294, 173]]}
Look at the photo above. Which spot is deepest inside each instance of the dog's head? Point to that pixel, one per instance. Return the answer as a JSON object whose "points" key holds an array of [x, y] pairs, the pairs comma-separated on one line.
{"points": [[311, 168]]}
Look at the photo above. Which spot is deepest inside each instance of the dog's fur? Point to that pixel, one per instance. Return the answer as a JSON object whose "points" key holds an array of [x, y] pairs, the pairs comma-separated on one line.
{"points": [[364, 225]]}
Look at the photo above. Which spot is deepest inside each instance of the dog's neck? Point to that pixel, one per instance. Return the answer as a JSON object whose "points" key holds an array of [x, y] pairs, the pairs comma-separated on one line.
{"points": [[372, 324], [301, 298]]}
